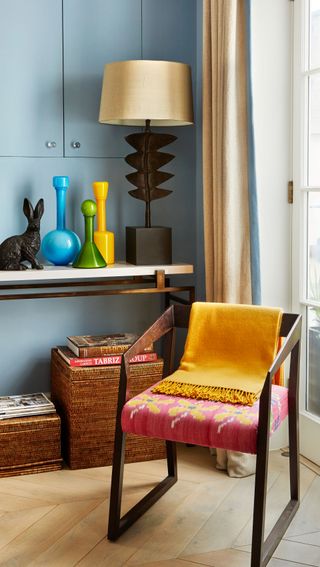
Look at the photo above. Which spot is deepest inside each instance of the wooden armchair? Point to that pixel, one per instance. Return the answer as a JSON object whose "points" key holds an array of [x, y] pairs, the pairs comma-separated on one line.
{"points": [[263, 418]]}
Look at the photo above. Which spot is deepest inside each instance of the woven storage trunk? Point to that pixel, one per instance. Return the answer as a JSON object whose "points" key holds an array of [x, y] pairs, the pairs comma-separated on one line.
{"points": [[30, 444], [86, 399]]}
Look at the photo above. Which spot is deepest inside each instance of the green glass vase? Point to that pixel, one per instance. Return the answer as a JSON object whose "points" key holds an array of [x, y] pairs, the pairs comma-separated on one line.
{"points": [[89, 255]]}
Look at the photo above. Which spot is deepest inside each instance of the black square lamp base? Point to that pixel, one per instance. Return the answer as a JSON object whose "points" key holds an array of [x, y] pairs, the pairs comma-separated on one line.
{"points": [[147, 246]]}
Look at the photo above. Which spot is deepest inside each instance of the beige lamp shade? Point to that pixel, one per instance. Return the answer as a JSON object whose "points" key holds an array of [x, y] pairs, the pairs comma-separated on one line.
{"points": [[136, 91]]}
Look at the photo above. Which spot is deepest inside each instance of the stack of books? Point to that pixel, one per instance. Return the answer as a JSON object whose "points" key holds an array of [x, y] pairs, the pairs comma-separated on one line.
{"points": [[25, 405], [102, 350]]}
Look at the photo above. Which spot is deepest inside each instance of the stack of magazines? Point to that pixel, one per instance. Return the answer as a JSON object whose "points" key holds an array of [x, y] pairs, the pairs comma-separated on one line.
{"points": [[25, 405]]}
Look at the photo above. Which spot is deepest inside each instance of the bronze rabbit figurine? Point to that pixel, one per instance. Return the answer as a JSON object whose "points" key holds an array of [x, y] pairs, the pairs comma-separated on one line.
{"points": [[24, 247]]}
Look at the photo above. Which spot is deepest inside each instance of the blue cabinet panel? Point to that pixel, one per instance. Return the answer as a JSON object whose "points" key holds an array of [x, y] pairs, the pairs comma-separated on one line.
{"points": [[95, 33], [31, 107]]}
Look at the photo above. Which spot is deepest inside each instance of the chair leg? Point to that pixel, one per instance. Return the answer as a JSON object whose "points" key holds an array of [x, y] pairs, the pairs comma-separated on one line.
{"points": [[172, 459], [259, 506], [116, 485], [118, 525], [294, 455], [293, 419], [262, 550]]}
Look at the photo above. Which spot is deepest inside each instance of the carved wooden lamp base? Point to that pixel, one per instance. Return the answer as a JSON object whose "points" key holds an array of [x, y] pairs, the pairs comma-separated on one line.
{"points": [[146, 246]]}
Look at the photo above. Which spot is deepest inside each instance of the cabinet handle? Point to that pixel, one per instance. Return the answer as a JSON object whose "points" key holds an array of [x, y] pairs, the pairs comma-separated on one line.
{"points": [[51, 145], [75, 145]]}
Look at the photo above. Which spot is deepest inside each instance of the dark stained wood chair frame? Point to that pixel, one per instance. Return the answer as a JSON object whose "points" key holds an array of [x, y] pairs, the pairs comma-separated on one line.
{"points": [[262, 550]]}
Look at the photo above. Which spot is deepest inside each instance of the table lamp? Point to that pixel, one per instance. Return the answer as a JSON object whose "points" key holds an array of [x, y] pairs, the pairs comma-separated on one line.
{"points": [[147, 93]]}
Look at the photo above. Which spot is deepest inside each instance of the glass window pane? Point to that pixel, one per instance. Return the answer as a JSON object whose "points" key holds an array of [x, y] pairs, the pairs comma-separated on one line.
{"points": [[314, 131], [314, 246], [314, 33], [313, 384]]}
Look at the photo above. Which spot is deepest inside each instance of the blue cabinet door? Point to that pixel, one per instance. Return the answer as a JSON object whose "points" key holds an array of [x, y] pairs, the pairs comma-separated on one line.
{"points": [[95, 33], [31, 95]]}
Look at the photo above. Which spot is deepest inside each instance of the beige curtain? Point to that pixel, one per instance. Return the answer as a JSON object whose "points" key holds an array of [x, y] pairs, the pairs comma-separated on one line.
{"points": [[230, 208], [225, 152]]}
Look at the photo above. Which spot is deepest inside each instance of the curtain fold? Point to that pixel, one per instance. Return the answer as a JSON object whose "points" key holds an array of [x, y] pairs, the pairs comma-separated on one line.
{"points": [[230, 204], [231, 231]]}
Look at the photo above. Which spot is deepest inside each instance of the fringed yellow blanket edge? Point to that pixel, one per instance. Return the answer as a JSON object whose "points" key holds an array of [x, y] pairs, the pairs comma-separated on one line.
{"points": [[211, 393]]}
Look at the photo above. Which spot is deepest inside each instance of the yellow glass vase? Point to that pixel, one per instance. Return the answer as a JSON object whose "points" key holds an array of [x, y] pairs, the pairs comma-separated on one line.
{"points": [[103, 238]]}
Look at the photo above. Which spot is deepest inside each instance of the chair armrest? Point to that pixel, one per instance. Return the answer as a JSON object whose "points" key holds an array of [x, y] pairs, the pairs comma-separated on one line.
{"points": [[157, 330], [290, 346], [291, 340], [163, 325]]}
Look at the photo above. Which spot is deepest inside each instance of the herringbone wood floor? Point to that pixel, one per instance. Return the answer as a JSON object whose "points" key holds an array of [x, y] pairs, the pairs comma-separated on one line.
{"points": [[59, 518]]}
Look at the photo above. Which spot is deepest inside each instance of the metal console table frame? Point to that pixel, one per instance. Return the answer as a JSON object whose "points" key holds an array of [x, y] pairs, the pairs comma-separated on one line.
{"points": [[117, 279]]}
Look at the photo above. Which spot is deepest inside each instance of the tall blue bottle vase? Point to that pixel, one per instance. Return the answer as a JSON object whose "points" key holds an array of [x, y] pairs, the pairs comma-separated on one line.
{"points": [[61, 246]]}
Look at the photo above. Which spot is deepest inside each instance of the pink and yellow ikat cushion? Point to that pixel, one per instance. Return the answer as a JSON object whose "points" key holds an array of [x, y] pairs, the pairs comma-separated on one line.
{"points": [[200, 422]]}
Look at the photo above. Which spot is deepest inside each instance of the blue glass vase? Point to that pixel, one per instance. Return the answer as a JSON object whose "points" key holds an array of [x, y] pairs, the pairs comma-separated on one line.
{"points": [[61, 246]]}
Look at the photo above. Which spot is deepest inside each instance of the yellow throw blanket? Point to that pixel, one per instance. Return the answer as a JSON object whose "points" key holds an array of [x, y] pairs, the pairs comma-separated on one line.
{"points": [[228, 351]]}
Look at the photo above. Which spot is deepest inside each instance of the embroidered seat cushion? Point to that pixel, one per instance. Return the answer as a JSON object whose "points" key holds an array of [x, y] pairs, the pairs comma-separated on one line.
{"points": [[201, 422]]}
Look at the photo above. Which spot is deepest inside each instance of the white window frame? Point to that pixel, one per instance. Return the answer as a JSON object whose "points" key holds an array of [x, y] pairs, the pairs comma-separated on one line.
{"points": [[309, 422]]}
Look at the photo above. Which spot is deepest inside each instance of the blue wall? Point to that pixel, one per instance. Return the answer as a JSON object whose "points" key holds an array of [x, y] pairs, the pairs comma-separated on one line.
{"points": [[30, 328]]}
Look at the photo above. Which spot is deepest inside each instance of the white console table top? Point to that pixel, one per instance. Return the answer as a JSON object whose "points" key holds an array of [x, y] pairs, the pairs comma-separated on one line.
{"points": [[118, 270]]}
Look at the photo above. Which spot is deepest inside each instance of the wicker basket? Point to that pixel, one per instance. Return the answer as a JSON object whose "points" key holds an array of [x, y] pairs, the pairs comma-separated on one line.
{"points": [[86, 399], [30, 444]]}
